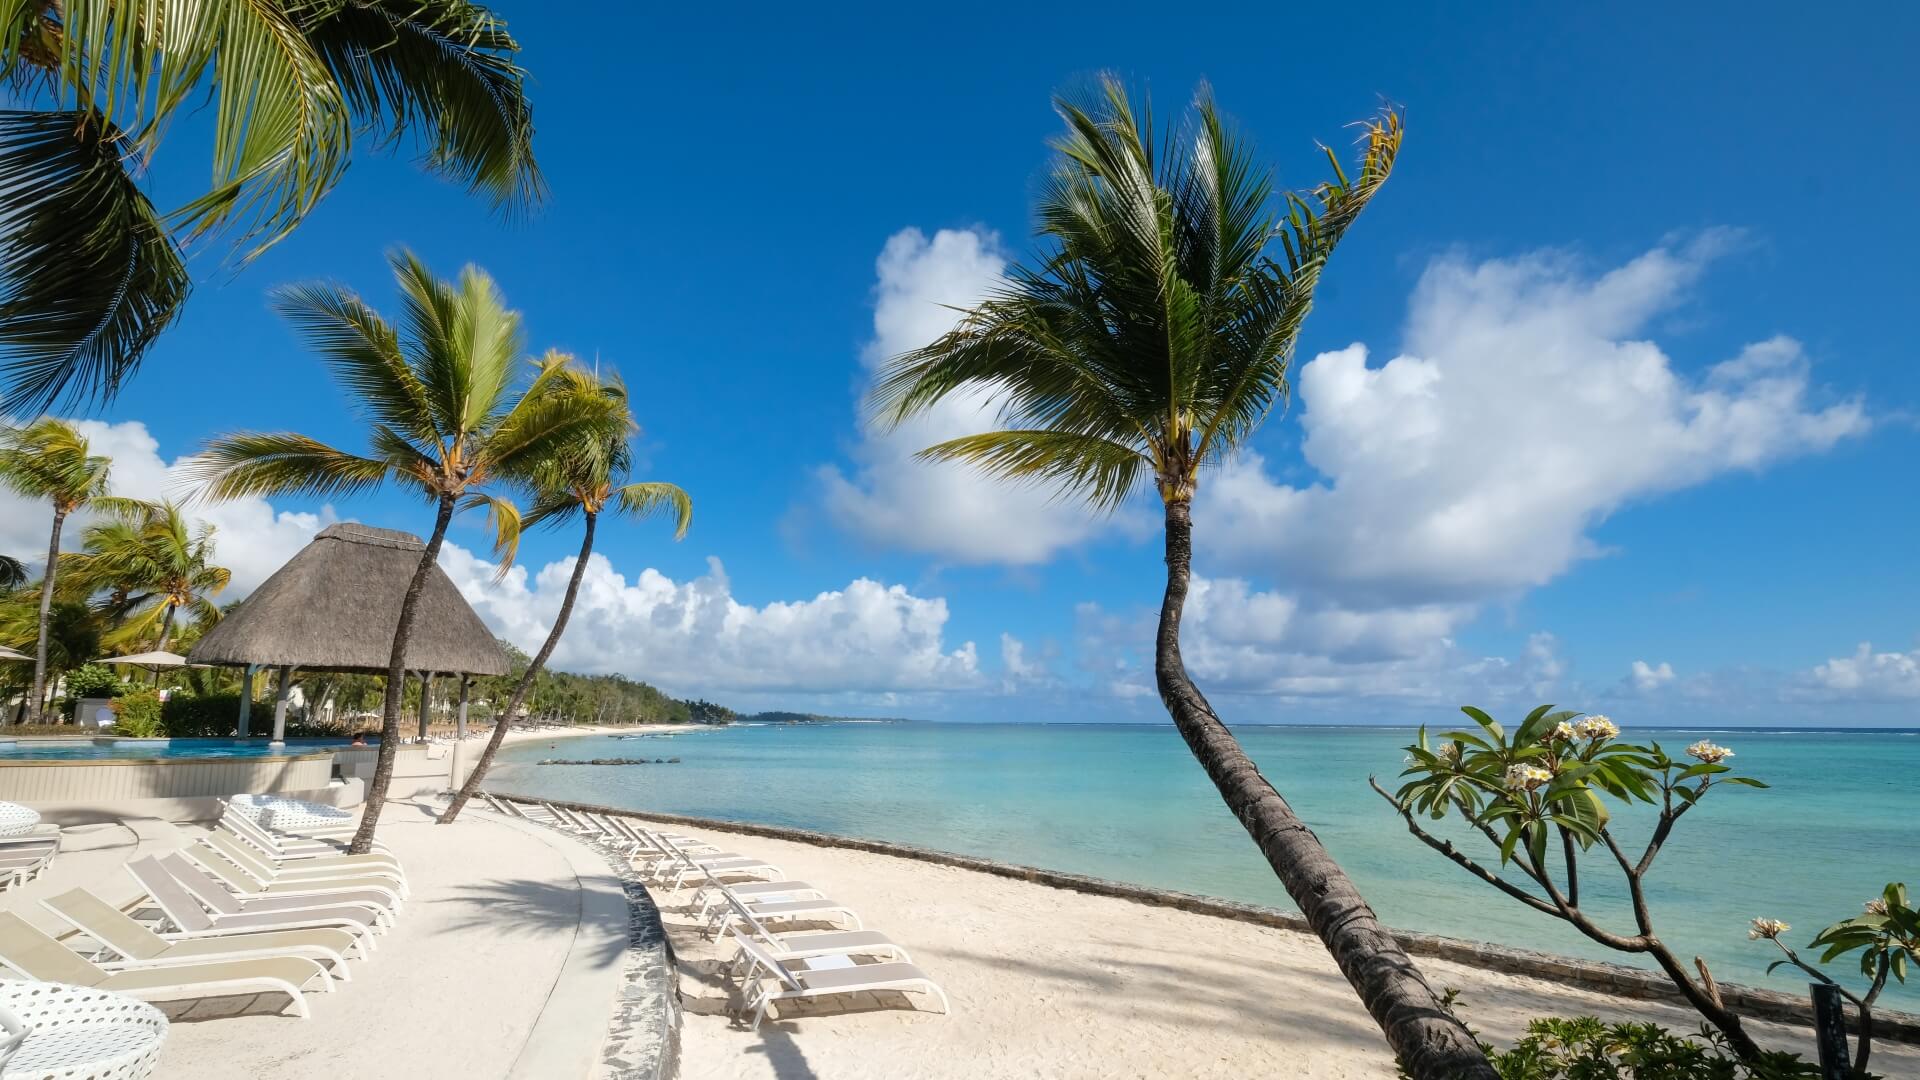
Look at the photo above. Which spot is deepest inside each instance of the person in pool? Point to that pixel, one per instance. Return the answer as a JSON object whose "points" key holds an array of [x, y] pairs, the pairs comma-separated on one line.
{"points": [[359, 739]]}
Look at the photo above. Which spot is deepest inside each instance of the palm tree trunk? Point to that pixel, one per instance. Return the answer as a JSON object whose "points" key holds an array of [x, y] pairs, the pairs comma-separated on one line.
{"points": [[1426, 1038], [397, 685], [46, 609], [166, 631], [526, 680]]}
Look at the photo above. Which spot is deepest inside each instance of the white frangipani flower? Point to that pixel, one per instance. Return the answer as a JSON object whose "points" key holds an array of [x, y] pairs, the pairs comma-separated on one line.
{"points": [[1767, 928], [1526, 777], [1706, 751], [1597, 727]]}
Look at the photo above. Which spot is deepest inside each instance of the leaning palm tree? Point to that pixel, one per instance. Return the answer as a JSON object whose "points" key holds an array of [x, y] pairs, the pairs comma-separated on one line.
{"points": [[148, 565], [1148, 343], [91, 272], [585, 482], [446, 419], [49, 460]]}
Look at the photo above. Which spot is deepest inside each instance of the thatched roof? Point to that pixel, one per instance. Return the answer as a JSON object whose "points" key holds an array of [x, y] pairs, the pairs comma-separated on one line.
{"points": [[333, 608]]}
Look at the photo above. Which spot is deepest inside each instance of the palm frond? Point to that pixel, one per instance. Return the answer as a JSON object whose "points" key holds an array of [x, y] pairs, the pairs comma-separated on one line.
{"points": [[89, 276], [443, 70], [49, 459], [1103, 473], [656, 497], [255, 463], [363, 351], [504, 518], [281, 132], [13, 573]]}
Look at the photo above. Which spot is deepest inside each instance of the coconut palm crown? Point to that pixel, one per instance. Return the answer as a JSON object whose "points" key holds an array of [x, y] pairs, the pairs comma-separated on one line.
{"points": [[1148, 341], [581, 485], [448, 417], [91, 271], [149, 566]]}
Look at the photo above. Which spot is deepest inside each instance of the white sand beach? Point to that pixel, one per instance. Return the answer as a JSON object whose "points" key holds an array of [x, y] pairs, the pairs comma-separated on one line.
{"points": [[1047, 982]]}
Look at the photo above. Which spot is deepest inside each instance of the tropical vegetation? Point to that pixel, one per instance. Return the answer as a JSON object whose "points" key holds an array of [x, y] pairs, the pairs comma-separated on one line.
{"points": [[452, 411], [1887, 937], [1149, 341], [148, 566], [579, 482], [48, 459], [91, 271], [1538, 796]]}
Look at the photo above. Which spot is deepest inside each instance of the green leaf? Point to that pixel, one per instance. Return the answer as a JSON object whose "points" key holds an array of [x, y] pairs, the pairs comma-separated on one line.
{"points": [[1534, 726], [1507, 845], [1491, 726], [1537, 843]]}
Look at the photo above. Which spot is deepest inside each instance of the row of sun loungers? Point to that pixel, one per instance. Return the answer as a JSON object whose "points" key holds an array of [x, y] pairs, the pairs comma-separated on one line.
{"points": [[248, 908], [746, 899]]}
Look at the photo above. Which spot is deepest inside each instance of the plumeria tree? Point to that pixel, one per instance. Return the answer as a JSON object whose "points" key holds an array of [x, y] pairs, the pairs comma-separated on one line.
{"points": [[1887, 937], [1539, 796]]}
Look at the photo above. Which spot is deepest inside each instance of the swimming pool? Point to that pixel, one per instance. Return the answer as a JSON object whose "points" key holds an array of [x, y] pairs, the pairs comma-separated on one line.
{"points": [[83, 748]]}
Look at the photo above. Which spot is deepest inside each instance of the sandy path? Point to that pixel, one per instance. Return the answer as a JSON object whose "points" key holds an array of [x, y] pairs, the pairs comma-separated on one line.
{"points": [[1052, 983]]}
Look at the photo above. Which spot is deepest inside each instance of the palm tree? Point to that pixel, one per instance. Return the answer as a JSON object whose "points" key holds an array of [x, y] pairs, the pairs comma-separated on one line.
{"points": [[92, 272], [1148, 343], [445, 416], [72, 634], [149, 565], [49, 460], [583, 483], [13, 573]]}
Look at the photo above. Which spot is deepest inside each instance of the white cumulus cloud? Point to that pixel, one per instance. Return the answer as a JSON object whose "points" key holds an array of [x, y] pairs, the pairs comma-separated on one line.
{"points": [[944, 509], [1526, 406], [1647, 678], [693, 637], [1866, 676]]}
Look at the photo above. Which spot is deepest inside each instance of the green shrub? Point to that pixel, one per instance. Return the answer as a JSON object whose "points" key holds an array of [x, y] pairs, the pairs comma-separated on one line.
{"points": [[137, 715], [197, 716], [94, 681], [1585, 1048]]}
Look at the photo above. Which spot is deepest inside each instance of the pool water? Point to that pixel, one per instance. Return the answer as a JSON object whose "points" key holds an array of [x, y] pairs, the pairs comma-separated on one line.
{"points": [[81, 748]]}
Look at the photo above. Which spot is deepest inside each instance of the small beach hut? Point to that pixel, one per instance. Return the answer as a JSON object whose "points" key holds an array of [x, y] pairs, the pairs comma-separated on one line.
{"points": [[334, 607]]}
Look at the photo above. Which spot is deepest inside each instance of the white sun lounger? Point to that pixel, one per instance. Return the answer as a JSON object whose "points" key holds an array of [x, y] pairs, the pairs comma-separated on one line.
{"points": [[808, 944], [709, 900], [683, 863], [289, 848], [37, 956], [268, 871], [772, 979], [768, 910], [136, 945], [316, 891], [183, 913]]}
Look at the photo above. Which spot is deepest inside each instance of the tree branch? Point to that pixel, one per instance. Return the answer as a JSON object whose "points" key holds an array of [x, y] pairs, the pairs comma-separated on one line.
{"points": [[1445, 847]]}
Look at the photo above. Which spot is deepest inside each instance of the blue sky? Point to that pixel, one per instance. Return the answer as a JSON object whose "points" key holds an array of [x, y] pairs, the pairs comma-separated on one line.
{"points": [[1645, 268]]}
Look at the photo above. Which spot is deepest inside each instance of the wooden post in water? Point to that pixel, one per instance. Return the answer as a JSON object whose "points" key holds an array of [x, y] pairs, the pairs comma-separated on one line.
{"points": [[1830, 1032]]}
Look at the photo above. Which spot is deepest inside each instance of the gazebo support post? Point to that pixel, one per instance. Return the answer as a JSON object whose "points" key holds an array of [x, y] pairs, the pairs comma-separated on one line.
{"points": [[246, 698], [280, 706], [454, 779]]}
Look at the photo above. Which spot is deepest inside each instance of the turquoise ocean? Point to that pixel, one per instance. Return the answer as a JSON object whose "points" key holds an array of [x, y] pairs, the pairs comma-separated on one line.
{"points": [[1127, 802]]}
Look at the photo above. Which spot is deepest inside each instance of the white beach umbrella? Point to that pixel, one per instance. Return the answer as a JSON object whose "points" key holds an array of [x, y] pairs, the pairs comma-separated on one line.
{"points": [[9, 654], [149, 660]]}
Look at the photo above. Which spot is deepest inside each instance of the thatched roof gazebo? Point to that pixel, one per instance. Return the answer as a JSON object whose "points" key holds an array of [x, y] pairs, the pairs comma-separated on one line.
{"points": [[333, 607]]}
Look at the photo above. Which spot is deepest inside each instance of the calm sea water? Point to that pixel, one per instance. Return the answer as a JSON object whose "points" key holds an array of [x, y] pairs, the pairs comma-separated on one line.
{"points": [[1127, 802]]}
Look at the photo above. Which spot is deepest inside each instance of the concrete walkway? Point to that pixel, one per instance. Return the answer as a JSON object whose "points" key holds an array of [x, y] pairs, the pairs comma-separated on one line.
{"points": [[505, 962]]}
